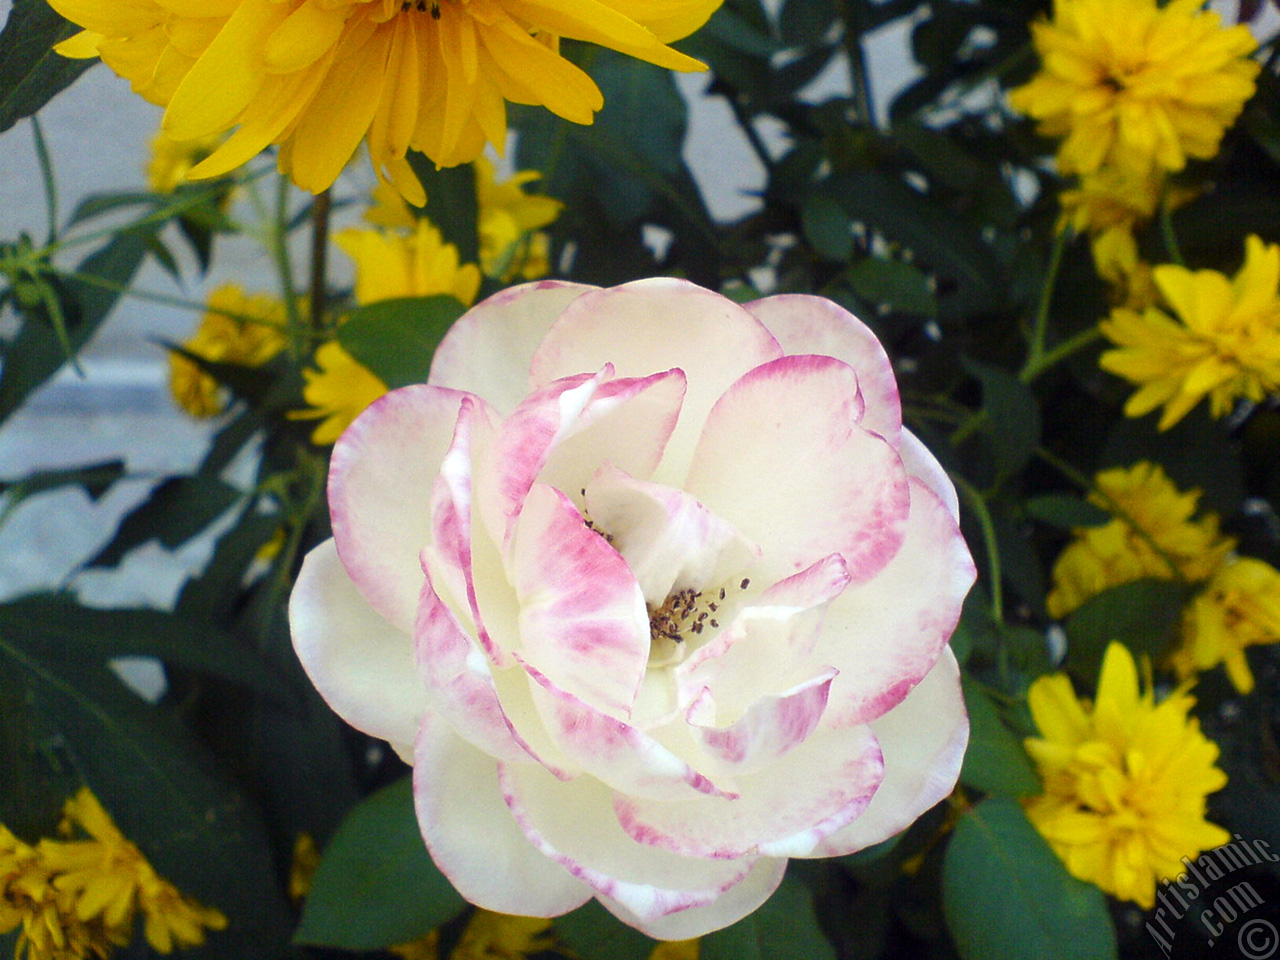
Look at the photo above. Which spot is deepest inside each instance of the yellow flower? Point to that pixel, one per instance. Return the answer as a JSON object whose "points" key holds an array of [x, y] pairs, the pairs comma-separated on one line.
{"points": [[319, 76], [1152, 535], [78, 898], [1224, 344], [389, 210], [1131, 84], [1125, 780], [226, 336], [1240, 607], [306, 857], [390, 264], [171, 161], [676, 950], [508, 217], [498, 936], [337, 392], [424, 948]]}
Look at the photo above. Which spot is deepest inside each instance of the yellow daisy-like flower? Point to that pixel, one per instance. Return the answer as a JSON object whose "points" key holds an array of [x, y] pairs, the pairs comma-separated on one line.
{"points": [[77, 898], [1108, 205], [225, 336], [319, 76], [1152, 535], [1125, 780], [1239, 607], [1131, 84], [171, 161], [509, 247], [1224, 343], [419, 264], [337, 392]]}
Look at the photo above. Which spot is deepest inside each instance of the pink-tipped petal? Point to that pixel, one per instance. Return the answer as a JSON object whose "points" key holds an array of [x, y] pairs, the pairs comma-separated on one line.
{"points": [[783, 460], [627, 423], [923, 464], [735, 903], [380, 482], [770, 728], [808, 324], [885, 635], [509, 467], [784, 810], [472, 836], [583, 622], [362, 665], [616, 753], [461, 681], [573, 824], [670, 540], [923, 739], [659, 324], [768, 646], [452, 548], [488, 350]]}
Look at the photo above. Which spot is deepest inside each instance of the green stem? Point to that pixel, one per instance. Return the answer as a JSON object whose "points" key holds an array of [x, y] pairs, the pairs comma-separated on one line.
{"points": [[1112, 507], [168, 300], [968, 427], [319, 249], [1040, 325], [975, 501], [1073, 344], [278, 243], [858, 73], [46, 174]]}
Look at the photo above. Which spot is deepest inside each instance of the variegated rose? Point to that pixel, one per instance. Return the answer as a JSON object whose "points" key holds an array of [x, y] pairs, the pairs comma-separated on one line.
{"points": [[653, 591]]}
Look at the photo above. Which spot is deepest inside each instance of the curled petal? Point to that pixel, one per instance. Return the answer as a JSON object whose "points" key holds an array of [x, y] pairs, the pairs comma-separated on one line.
{"points": [[583, 622], [770, 728], [573, 825], [730, 907], [709, 337], [883, 648], [624, 757], [798, 412], [461, 682], [380, 481], [815, 325], [922, 464], [768, 646], [361, 664], [487, 351], [670, 540], [784, 810], [472, 836], [923, 739]]}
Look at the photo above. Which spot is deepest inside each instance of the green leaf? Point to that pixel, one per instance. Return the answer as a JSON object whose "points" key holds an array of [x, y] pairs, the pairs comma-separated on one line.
{"points": [[785, 927], [995, 761], [30, 72], [177, 510], [898, 285], [593, 933], [58, 626], [949, 245], [1144, 615], [1006, 894], [376, 885], [396, 339], [1013, 414], [36, 353], [160, 789], [1065, 512], [826, 227], [95, 479], [451, 203]]}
